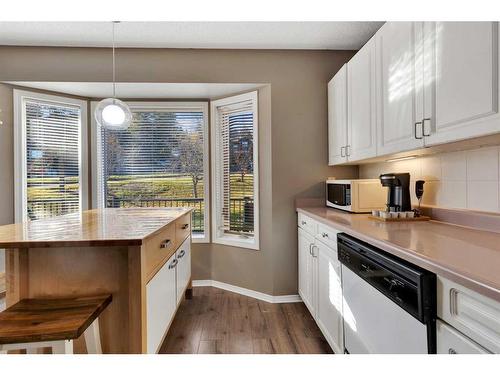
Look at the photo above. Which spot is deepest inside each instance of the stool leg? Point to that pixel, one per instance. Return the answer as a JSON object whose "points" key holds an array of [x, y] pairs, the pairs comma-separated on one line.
{"points": [[62, 347], [93, 338]]}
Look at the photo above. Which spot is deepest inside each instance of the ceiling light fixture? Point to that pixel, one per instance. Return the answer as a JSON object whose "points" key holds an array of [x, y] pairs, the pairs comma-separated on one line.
{"points": [[402, 158], [112, 113]]}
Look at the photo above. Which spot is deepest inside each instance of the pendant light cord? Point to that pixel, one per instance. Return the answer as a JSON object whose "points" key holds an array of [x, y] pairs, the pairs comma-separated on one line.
{"points": [[114, 74]]}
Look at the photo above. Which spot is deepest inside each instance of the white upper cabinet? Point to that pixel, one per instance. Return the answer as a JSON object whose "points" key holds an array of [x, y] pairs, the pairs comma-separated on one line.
{"points": [[399, 87], [361, 103], [461, 80], [337, 118]]}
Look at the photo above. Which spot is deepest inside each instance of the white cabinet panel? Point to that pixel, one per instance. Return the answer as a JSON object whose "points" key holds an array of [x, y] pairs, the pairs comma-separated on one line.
{"points": [[399, 87], [476, 316], [461, 80], [306, 223], [307, 273], [337, 117], [183, 267], [450, 341], [161, 304], [361, 102], [329, 314]]}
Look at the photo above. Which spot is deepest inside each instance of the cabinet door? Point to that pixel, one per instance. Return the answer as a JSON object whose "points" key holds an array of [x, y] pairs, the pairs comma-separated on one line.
{"points": [[306, 269], [161, 303], [399, 87], [337, 117], [361, 102], [183, 267], [461, 80], [330, 297], [450, 341]]}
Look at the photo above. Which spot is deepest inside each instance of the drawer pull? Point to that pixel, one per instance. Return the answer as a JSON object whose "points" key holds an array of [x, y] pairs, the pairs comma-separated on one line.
{"points": [[325, 235], [173, 264], [165, 244], [303, 222], [452, 351], [185, 226], [181, 254]]}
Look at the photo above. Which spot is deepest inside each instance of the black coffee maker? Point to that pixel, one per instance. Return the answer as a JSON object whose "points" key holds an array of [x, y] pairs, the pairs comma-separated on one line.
{"points": [[398, 192]]}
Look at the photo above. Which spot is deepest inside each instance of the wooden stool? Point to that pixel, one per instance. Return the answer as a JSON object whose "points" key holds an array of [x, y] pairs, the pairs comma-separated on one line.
{"points": [[39, 323]]}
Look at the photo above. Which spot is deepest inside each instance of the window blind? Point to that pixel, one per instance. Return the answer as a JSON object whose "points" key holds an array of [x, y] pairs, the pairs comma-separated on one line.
{"points": [[52, 158], [157, 162], [235, 193]]}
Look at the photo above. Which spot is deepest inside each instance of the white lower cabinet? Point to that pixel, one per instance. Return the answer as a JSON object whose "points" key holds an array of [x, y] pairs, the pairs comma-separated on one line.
{"points": [[307, 271], [183, 268], [161, 304], [329, 314], [319, 279], [164, 292], [450, 341]]}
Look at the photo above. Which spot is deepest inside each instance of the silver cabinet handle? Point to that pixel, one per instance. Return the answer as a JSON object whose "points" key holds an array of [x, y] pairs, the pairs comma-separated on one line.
{"points": [[342, 151], [185, 226], [303, 222], [181, 254], [348, 150], [165, 244], [310, 249], [416, 125], [452, 351], [313, 254], [173, 264], [424, 127], [325, 235]]}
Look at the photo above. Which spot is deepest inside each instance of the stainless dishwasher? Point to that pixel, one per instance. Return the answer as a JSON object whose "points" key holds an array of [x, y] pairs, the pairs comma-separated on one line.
{"points": [[389, 305]]}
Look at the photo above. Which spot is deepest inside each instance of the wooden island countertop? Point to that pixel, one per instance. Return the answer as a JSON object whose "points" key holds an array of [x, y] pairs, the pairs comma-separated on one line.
{"points": [[99, 227], [115, 251]]}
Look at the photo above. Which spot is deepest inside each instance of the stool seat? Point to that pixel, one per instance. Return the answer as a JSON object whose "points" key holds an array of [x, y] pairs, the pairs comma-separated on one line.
{"points": [[50, 319]]}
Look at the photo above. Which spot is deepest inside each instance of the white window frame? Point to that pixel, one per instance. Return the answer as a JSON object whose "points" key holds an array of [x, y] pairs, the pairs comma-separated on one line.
{"points": [[97, 199], [224, 238], [20, 183]]}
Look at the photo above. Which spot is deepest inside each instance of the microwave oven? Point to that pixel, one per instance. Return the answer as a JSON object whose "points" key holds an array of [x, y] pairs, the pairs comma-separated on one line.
{"points": [[359, 196]]}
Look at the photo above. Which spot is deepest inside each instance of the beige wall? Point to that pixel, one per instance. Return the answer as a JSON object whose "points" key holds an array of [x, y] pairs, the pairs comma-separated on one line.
{"points": [[293, 135]]}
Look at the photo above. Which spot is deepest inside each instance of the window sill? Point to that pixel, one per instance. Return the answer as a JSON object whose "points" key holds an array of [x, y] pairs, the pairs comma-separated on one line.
{"points": [[236, 241], [198, 238]]}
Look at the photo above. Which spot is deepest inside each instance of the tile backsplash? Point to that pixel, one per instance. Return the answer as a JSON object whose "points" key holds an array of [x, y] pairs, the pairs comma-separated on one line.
{"points": [[463, 179]]}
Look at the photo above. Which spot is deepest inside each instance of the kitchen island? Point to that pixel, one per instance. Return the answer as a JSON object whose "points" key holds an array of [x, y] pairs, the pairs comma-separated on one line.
{"points": [[141, 256]]}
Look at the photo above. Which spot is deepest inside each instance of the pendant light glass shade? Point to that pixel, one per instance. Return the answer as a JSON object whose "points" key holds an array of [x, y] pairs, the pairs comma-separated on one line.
{"points": [[113, 114]]}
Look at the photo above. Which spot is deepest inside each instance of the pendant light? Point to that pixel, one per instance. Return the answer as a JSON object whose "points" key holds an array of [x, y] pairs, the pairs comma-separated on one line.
{"points": [[112, 113]]}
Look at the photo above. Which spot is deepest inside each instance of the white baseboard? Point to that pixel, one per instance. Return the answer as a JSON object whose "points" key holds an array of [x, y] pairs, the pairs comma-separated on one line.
{"points": [[248, 292]]}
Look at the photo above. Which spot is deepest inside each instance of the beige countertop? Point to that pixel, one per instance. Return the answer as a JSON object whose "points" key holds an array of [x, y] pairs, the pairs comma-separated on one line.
{"points": [[100, 227], [470, 257]]}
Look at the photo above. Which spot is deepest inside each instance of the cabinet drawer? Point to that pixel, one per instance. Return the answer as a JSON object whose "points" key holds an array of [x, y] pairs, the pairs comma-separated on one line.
{"points": [[308, 224], [182, 228], [476, 316], [450, 341], [158, 249], [327, 235]]}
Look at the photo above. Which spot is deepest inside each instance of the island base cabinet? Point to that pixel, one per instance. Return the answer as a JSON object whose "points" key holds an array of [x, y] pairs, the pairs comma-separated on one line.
{"points": [[329, 314], [161, 304]]}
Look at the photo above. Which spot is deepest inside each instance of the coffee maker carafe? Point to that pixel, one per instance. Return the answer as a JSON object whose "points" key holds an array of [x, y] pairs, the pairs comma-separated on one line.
{"points": [[398, 192]]}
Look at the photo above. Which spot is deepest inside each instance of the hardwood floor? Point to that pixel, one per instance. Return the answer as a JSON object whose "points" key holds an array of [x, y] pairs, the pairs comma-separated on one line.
{"points": [[216, 321]]}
